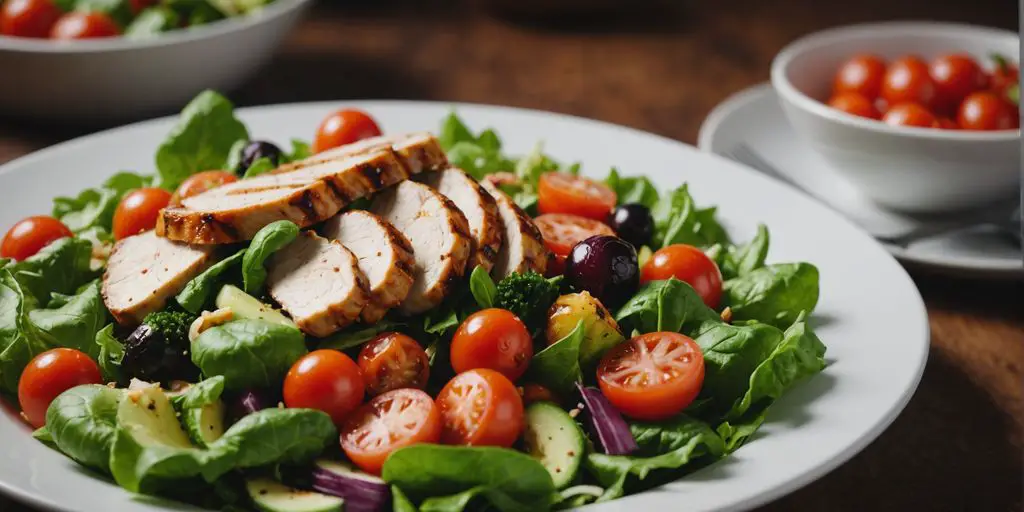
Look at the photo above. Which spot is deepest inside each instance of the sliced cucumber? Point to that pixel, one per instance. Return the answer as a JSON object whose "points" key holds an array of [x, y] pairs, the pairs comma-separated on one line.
{"points": [[271, 496], [553, 438], [205, 424], [246, 306], [147, 415]]}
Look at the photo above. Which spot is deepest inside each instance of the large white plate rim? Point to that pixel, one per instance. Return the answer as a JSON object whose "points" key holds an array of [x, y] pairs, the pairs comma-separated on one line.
{"points": [[781, 459]]}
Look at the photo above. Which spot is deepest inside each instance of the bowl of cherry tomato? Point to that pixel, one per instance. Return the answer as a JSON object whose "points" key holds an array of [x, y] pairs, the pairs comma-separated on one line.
{"points": [[117, 60], [920, 117]]}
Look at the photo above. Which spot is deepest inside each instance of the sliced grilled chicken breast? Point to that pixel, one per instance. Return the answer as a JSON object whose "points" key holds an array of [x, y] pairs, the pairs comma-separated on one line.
{"points": [[478, 206], [145, 270], [439, 234], [385, 256], [523, 248], [417, 151], [318, 282]]}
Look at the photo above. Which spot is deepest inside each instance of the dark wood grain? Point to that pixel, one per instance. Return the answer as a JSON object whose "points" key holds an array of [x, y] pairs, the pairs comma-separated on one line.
{"points": [[662, 67]]}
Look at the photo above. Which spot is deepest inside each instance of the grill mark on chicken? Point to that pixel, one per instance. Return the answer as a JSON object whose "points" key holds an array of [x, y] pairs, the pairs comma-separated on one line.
{"points": [[373, 175]]}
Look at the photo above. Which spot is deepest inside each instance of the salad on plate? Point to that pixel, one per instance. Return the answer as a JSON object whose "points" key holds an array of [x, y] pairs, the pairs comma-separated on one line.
{"points": [[391, 321]]}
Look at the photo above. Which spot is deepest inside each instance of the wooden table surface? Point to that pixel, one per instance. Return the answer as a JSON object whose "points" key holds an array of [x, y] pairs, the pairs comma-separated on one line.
{"points": [[958, 444]]}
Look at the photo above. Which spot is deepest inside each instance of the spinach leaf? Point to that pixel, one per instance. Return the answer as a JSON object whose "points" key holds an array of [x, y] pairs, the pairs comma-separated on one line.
{"points": [[111, 352], [61, 267], [248, 353], [677, 220], [202, 288], [357, 335], [508, 480], [235, 155], [731, 354], [201, 140], [744, 259], [632, 189], [152, 21], [454, 131], [667, 305], [19, 342], [482, 287], [558, 366], [42, 434], [268, 240], [82, 422], [75, 323], [453, 503], [199, 394], [300, 151], [400, 502], [736, 432], [774, 294], [95, 207], [260, 166]]}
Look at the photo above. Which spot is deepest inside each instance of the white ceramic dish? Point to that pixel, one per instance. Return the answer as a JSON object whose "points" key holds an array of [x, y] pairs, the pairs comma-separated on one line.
{"points": [[813, 429], [122, 79], [907, 169], [754, 118]]}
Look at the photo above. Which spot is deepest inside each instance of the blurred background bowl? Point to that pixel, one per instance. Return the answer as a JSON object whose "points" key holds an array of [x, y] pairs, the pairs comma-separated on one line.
{"points": [[118, 79], [916, 170]]}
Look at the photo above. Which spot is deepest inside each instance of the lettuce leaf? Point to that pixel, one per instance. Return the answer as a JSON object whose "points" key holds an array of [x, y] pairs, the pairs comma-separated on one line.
{"points": [[94, 207], [774, 294], [201, 140], [632, 189], [677, 220]]}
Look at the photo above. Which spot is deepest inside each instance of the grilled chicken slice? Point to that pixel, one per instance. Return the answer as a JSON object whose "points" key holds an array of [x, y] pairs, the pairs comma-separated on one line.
{"points": [[418, 152], [145, 270], [385, 257], [318, 282], [523, 249], [479, 208], [440, 238]]}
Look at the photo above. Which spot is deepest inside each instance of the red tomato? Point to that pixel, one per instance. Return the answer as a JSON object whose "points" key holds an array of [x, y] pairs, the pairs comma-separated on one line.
{"points": [[1005, 76], [493, 338], [559, 192], [201, 182], [562, 231], [393, 420], [908, 80], [480, 407], [910, 114], [652, 376], [138, 211], [955, 77], [948, 124], [391, 361], [30, 235], [344, 127], [686, 263], [854, 104], [863, 75], [326, 380], [50, 374], [28, 18], [84, 25], [537, 393], [987, 111]]}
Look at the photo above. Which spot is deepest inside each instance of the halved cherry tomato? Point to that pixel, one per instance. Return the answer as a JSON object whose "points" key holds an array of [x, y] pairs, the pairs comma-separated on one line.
{"points": [[480, 407], [1005, 76], [344, 127], [493, 338], [28, 18], [562, 231], [559, 192], [50, 374], [201, 182], [686, 263], [910, 114], [854, 104], [537, 393], [326, 380], [863, 75], [84, 25], [138, 211], [985, 110], [391, 361], [393, 420], [955, 77], [908, 80], [30, 235], [652, 376]]}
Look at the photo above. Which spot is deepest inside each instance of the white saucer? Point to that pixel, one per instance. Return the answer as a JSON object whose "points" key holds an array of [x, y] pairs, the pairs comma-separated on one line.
{"points": [[753, 117]]}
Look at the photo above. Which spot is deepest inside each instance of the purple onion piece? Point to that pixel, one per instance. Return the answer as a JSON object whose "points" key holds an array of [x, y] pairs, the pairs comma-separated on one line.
{"points": [[248, 402], [362, 492], [606, 423]]}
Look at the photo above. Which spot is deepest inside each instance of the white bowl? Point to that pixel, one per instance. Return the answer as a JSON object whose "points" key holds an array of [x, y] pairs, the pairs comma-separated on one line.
{"points": [[917, 170], [120, 78]]}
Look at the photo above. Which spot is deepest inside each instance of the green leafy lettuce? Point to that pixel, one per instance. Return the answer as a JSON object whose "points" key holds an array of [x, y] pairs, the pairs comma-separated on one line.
{"points": [[248, 353], [268, 240], [200, 141], [773, 294], [94, 207], [202, 288], [82, 421], [558, 366]]}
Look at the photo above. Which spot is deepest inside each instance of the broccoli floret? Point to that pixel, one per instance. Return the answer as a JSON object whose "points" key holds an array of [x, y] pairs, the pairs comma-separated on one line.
{"points": [[527, 295], [171, 325]]}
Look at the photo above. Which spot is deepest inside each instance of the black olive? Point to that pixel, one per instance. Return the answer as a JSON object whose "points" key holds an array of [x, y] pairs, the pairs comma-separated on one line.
{"points": [[633, 223], [149, 357], [606, 266], [255, 150]]}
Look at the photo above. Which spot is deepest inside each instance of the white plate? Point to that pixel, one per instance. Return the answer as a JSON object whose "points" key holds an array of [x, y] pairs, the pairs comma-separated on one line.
{"points": [[754, 117], [870, 314]]}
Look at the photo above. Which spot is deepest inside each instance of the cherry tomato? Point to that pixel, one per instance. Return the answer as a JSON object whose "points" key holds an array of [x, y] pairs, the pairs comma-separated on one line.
{"points": [[854, 104], [537, 393], [562, 231], [652, 376], [863, 75], [30, 235], [686, 263], [1005, 76], [559, 192], [948, 124], [28, 18], [138, 211], [391, 361], [480, 407], [326, 380], [987, 111], [393, 420], [955, 77], [493, 338], [50, 374], [344, 127], [910, 114], [84, 25], [908, 80], [201, 182]]}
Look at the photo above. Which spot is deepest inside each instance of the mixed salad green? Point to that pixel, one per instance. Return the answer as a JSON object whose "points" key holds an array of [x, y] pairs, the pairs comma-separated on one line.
{"points": [[195, 402]]}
